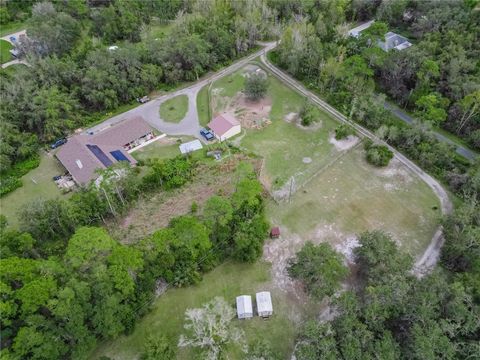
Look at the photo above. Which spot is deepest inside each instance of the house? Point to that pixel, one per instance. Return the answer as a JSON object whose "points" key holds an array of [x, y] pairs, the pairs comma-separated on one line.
{"points": [[394, 41], [275, 232], [244, 307], [83, 154], [224, 126], [264, 304], [355, 32], [190, 146]]}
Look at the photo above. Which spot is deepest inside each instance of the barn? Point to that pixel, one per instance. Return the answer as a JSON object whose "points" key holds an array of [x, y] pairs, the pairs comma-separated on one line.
{"points": [[264, 304], [224, 126], [244, 307]]}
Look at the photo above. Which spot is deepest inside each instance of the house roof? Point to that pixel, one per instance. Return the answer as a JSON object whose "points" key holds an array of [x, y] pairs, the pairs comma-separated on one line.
{"points": [[222, 123], [244, 305], [123, 133], [190, 146], [83, 154], [275, 231], [264, 301]]}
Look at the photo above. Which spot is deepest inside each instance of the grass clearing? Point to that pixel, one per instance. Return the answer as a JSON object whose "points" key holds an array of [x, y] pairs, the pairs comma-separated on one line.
{"points": [[174, 109], [203, 106], [228, 280], [5, 48], [352, 196], [165, 148], [37, 183], [11, 27]]}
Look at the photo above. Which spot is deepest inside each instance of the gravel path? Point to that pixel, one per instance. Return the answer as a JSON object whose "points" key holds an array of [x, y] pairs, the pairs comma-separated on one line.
{"points": [[431, 255]]}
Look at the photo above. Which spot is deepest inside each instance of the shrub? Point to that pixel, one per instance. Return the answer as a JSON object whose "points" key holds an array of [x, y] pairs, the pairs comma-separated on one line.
{"points": [[342, 131], [378, 155], [307, 114], [256, 86]]}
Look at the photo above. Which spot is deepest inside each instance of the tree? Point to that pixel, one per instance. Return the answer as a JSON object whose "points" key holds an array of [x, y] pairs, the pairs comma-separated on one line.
{"points": [[256, 86], [378, 155], [158, 348], [432, 108], [320, 269], [210, 328], [51, 32], [308, 113]]}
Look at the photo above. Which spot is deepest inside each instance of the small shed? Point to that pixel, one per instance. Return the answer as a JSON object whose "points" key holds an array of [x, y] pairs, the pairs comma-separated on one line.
{"points": [[190, 146], [244, 307], [264, 304], [275, 232]]}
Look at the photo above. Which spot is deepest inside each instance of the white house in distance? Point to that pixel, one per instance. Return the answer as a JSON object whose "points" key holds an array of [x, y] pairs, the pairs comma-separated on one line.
{"points": [[392, 40], [264, 304], [244, 307], [225, 126]]}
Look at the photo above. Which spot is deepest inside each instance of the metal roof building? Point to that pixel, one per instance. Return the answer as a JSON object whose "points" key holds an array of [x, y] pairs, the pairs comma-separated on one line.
{"points": [[190, 146], [264, 304], [244, 307]]}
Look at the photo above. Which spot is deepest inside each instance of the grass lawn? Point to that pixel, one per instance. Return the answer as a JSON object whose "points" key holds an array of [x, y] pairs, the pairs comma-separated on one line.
{"points": [[352, 196], [165, 148], [37, 183], [174, 109], [13, 69], [228, 281], [5, 48], [11, 28], [203, 106]]}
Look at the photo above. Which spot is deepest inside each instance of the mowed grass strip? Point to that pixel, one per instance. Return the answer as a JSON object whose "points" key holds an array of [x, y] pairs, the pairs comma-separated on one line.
{"points": [[5, 48], [175, 109], [203, 106], [353, 196], [38, 183], [228, 280]]}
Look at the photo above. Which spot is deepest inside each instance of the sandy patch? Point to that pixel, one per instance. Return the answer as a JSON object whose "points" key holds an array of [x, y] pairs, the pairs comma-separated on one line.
{"points": [[291, 117], [279, 251], [307, 160], [395, 171], [344, 144]]}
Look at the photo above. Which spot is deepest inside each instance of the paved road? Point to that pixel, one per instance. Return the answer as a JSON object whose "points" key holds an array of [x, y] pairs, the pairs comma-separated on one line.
{"points": [[15, 62], [465, 152], [190, 125], [431, 255]]}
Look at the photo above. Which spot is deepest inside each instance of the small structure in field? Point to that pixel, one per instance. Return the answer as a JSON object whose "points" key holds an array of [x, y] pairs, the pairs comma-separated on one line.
{"points": [[264, 304], [190, 146], [355, 32], [275, 232], [224, 126], [244, 307]]}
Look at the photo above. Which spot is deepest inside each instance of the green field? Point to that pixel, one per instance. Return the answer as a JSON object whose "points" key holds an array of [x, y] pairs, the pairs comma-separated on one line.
{"points": [[5, 48], [352, 196], [203, 106], [37, 183], [162, 149], [174, 109], [11, 28], [228, 280]]}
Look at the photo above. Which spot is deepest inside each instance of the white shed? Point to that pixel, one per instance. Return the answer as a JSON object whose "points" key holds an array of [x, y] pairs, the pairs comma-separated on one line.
{"points": [[244, 307], [190, 146], [264, 304]]}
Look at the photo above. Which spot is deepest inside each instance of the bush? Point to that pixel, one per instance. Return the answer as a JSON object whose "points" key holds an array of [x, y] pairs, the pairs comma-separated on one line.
{"points": [[308, 113], [10, 180], [342, 131], [378, 155], [256, 86]]}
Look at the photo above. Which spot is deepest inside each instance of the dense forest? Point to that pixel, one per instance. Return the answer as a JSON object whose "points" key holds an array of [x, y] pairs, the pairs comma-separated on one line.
{"points": [[74, 77]]}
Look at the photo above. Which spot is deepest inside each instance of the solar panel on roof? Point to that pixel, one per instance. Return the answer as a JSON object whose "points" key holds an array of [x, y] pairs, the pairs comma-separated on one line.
{"points": [[119, 156], [100, 155]]}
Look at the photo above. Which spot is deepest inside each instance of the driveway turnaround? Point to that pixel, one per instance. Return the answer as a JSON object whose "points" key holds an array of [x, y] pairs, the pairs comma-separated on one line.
{"points": [[190, 124]]}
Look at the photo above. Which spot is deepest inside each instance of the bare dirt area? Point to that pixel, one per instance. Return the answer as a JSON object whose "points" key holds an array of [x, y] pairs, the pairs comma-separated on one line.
{"points": [[344, 144], [155, 212], [251, 114], [279, 251]]}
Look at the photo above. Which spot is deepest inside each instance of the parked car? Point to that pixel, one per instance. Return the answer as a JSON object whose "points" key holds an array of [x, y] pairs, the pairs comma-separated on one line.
{"points": [[57, 177], [58, 143], [143, 100], [207, 134]]}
